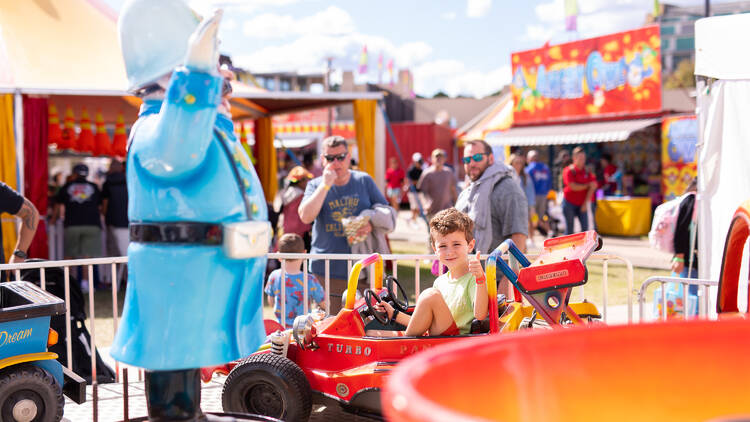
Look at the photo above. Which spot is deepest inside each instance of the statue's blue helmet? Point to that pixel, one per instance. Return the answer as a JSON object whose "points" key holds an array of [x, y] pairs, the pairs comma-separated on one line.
{"points": [[154, 38]]}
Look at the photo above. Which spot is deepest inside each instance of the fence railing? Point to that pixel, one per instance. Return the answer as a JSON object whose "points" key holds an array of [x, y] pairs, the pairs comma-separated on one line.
{"points": [[703, 301], [419, 262], [113, 264]]}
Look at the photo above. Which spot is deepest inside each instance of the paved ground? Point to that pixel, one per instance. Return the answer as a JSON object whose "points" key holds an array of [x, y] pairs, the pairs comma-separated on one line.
{"points": [[111, 403]]}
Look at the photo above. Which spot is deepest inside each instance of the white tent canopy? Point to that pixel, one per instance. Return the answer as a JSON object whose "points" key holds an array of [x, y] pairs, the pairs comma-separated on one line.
{"points": [[723, 72]]}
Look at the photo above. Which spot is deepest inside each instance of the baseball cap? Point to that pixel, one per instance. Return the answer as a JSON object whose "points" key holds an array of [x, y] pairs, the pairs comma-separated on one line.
{"points": [[416, 157], [298, 173], [438, 152], [81, 170]]}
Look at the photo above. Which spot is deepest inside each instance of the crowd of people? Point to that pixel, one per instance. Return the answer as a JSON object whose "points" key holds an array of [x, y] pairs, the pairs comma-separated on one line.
{"points": [[342, 210]]}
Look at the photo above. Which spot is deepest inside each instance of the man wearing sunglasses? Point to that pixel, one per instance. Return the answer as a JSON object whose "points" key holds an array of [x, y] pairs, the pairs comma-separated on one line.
{"points": [[337, 194], [494, 200]]}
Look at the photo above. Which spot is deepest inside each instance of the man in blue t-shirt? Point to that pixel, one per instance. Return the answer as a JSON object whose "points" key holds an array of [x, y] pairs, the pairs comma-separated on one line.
{"points": [[338, 193], [542, 178]]}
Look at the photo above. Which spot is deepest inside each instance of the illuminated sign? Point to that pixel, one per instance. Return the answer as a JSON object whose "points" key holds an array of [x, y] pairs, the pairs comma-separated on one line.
{"points": [[613, 75]]}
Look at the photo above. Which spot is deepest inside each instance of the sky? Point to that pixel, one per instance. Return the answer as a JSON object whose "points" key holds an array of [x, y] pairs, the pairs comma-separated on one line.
{"points": [[459, 47]]}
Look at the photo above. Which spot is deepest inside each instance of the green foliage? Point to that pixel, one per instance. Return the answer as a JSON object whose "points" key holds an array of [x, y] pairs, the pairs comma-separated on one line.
{"points": [[682, 77]]}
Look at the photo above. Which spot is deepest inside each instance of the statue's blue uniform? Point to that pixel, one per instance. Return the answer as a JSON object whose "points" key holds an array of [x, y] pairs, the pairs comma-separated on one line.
{"points": [[189, 305]]}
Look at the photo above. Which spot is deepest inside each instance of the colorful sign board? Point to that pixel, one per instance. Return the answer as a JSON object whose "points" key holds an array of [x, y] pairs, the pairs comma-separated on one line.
{"points": [[613, 75], [679, 137]]}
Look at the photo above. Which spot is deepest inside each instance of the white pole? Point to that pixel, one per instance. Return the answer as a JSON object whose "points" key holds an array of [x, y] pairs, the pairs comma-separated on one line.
{"points": [[18, 117]]}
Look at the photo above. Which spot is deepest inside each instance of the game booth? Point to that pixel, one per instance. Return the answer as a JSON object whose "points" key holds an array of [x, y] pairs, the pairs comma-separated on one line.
{"points": [[605, 94]]}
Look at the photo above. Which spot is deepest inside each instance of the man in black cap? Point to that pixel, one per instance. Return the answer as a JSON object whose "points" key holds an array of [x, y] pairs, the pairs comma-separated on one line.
{"points": [[78, 202]]}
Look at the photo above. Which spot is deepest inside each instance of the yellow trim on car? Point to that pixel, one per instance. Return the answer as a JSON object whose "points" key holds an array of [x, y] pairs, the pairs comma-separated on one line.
{"points": [[30, 357]]}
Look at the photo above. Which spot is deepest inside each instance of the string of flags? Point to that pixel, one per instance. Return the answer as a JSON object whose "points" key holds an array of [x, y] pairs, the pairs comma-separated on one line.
{"points": [[363, 66]]}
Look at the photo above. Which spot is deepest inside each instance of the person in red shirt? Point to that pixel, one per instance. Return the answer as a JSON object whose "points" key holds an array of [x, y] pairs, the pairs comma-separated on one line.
{"points": [[394, 177], [579, 186], [609, 185]]}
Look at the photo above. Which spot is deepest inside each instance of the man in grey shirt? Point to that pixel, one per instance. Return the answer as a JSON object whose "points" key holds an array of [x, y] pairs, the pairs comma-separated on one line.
{"points": [[438, 185], [494, 200]]}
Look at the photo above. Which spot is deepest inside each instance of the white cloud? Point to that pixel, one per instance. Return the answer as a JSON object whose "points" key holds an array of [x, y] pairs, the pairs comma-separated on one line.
{"points": [[595, 18], [206, 6], [412, 53], [331, 21], [448, 16], [477, 8], [454, 78], [543, 33]]}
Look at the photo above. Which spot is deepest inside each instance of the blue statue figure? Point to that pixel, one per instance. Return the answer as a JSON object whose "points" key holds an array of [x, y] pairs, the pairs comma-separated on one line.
{"points": [[198, 219]]}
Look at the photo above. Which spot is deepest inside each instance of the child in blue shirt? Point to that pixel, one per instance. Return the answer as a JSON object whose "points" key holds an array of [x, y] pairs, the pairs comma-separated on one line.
{"points": [[292, 243]]}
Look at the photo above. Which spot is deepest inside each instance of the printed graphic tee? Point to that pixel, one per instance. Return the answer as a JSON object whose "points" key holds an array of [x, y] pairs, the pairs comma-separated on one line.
{"points": [[295, 294], [328, 236]]}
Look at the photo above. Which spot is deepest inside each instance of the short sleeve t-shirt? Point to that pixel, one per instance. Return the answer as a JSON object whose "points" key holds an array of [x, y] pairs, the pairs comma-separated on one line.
{"points": [[573, 174], [459, 295], [81, 199], [115, 190], [510, 211], [328, 236], [435, 186], [541, 176], [394, 177], [10, 202], [295, 294]]}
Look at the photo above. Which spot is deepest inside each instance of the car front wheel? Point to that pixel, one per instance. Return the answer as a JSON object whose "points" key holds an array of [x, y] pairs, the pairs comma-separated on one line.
{"points": [[270, 385]]}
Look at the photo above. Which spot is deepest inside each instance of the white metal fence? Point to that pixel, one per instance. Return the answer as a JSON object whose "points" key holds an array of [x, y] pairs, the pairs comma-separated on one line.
{"points": [[113, 264], [419, 262], [685, 283]]}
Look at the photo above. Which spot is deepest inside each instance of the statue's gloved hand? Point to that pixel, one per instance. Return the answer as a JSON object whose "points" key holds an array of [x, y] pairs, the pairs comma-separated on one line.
{"points": [[203, 46]]}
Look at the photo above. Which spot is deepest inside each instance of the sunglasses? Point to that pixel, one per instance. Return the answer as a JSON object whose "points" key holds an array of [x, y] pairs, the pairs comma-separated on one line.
{"points": [[331, 158], [476, 157]]}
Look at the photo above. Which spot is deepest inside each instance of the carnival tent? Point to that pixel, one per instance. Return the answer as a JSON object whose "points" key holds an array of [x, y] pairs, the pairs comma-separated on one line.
{"points": [[497, 117], [66, 52], [723, 106]]}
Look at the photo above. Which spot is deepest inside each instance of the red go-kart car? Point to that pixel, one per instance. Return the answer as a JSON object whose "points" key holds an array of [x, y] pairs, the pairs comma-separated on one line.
{"points": [[335, 360]]}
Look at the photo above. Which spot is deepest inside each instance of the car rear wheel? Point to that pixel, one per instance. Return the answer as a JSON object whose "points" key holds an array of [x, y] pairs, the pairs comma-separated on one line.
{"points": [[29, 394], [270, 385]]}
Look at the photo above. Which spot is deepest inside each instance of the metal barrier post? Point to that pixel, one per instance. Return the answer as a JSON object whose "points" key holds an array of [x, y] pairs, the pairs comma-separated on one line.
{"points": [[605, 287]]}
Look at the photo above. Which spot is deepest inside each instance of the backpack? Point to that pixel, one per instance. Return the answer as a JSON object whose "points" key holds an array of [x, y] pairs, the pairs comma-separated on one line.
{"points": [[661, 236]]}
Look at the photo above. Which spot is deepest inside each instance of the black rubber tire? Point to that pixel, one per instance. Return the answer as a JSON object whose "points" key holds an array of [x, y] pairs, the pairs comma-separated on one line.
{"points": [[269, 385], [31, 383]]}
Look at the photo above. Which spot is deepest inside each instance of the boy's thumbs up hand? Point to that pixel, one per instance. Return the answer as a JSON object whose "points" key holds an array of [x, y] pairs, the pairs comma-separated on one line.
{"points": [[475, 267]]}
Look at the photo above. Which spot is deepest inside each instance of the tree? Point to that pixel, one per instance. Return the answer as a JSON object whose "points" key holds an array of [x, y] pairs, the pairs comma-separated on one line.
{"points": [[682, 77], [440, 94]]}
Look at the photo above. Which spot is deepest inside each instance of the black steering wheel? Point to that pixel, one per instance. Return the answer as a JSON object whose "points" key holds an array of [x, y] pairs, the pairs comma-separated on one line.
{"points": [[382, 317], [400, 305]]}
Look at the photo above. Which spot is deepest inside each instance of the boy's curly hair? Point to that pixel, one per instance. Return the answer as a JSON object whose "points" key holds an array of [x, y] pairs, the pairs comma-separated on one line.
{"points": [[451, 220]]}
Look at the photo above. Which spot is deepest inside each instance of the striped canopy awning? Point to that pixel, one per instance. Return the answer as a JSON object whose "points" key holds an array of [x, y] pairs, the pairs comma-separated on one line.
{"points": [[581, 133]]}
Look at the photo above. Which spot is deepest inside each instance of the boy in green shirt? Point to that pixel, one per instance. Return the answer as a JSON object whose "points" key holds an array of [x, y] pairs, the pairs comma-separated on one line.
{"points": [[457, 296]]}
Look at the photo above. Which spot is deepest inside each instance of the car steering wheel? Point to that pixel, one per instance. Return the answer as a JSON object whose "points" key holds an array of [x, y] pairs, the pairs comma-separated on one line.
{"points": [[400, 305], [382, 317]]}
